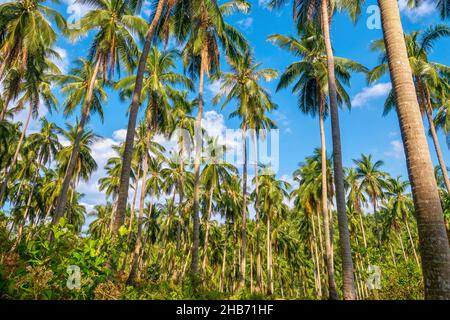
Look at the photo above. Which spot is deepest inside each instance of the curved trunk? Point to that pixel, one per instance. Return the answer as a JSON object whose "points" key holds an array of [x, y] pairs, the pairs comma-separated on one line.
{"points": [[344, 235], [411, 241], [257, 218], [137, 249], [224, 260], [133, 203], [434, 246], [197, 160], [269, 260], [326, 223], [16, 154], [131, 129], [205, 245], [244, 214], [62, 199], [377, 222]]}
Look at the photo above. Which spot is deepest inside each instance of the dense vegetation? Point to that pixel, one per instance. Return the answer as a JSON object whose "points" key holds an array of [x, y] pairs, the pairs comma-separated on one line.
{"points": [[174, 228]]}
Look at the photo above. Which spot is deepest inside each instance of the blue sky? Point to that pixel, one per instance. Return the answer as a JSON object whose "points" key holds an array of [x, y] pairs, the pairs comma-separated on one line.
{"points": [[363, 129]]}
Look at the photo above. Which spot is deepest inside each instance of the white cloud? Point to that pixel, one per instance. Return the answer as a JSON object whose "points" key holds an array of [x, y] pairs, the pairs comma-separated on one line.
{"points": [[33, 125], [215, 87], [63, 62], [245, 23], [425, 9], [396, 150], [370, 93], [263, 3], [120, 134]]}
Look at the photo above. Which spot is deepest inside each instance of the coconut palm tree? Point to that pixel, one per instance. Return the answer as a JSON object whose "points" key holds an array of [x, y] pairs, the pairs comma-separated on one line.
{"points": [[242, 84], [372, 181], [34, 90], [113, 46], [311, 85], [426, 75], [273, 193], [321, 13], [200, 25], [434, 245], [26, 30], [159, 21], [215, 173]]}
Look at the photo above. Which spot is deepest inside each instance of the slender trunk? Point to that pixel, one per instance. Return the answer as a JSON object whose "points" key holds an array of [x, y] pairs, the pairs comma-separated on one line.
{"points": [[27, 207], [16, 154], [326, 223], [412, 242], [198, 154], [62, 199], [269, 260], [244, 213], [344, 236], [393, 255], [257, 218], [133, 203], [377, 223], [205, 244], [434, 246], [131, 129], [135, 264], [363, 230], [224, 260], [316, 258], [400, 239], [429, 112]]}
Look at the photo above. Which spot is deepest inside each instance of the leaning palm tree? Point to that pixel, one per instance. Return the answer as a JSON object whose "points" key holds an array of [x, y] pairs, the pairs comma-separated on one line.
{"points": [[159, 23], [321, 12], [242, 84], [201, 26], [113, 45], [426, 75], [434, 246], [311, 86]]}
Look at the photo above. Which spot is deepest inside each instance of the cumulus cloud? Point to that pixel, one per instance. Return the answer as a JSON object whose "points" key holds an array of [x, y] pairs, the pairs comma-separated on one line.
{"points": [[371, 93], [63, 62], [214, 87], [396, 150], [425, 9], [245, 23]]}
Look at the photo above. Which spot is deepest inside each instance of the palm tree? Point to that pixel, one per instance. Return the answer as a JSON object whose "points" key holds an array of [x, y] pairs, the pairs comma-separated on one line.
{"points": [[112, 46], [356, 198], [434, 245], [401, 204], [426, 76], [26, 30], [311, 85], [272, 197], [321, 12], [201, 26], [242, 83], [371, 182], [160, 20], [35, 88], [215, 173]]}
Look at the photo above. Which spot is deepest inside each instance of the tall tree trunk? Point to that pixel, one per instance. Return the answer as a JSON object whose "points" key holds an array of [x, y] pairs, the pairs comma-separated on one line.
{"points": [[243, 263], [62, 199], [136, 253], [429, 112], [363, 230], [205, 244], [326, 223], [377, 222], [198, 154], [28, 204], [224, 259], [315, 254], [257, 218], [411, 241], [131, 129], [16, 154], [344, 235], [434, 246], [269, 259], [133, 203]]}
